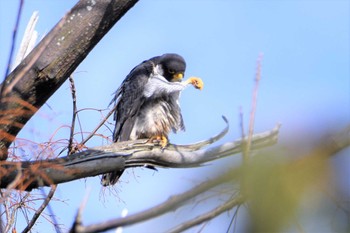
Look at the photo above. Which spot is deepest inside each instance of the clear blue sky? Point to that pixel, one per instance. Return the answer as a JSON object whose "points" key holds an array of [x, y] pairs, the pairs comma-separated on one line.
{"points": [[305, 82]]}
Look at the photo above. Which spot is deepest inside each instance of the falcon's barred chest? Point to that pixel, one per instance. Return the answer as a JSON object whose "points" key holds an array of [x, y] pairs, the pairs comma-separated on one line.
{"points": [[147, 102], [158, 116]]}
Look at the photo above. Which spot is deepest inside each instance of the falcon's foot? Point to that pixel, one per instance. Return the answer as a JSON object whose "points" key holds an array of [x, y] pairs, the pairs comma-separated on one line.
{"points": [[161, 139], [196, 82]]}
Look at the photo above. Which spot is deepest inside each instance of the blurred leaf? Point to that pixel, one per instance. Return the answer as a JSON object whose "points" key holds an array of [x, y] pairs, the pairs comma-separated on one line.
{"points": [[276, 188]]}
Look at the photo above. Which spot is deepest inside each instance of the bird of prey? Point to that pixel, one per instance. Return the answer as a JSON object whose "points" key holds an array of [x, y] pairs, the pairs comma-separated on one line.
{"points": [[147, 103]]}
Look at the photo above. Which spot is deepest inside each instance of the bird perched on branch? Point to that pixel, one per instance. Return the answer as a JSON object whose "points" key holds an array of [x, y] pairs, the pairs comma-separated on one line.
{"points": [[147, 103]]}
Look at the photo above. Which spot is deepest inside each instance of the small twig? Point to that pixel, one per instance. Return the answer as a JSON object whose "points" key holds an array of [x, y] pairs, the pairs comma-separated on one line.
{"points": [[247, 141], [241, 122], [14, 35], [98, 126], [74, 100], [253, 111], [4, 197], [41, 209], [208, 216], [244, 142], [78, 222], [52, 215], [234, 219], [14, 209], [201, 144]]}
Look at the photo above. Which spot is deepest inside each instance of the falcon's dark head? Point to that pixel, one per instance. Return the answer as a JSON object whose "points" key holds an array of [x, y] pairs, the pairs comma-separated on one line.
{"points": [[174, 67]]}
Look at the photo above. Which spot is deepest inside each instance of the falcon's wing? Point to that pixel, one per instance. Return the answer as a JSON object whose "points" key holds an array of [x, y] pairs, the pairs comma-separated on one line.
{"points": [[129, 98]]}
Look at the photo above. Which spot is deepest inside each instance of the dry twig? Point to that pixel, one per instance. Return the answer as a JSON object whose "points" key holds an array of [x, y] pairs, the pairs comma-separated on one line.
{"points": [[40, 210], [74, 115], [228, 205]]}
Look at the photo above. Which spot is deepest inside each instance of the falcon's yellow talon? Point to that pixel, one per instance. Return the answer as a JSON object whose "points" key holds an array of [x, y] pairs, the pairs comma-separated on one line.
{"points": [[196, 82], [161, 139]]}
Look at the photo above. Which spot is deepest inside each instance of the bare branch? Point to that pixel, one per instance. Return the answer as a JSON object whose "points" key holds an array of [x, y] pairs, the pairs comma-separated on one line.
{"points": [[93, 132], [14, 35], [180, 157], [122, 155], [40, 210], [246, 146], [74, 100], [253, 110], [78, 222], [209, 215], [171, 204]]}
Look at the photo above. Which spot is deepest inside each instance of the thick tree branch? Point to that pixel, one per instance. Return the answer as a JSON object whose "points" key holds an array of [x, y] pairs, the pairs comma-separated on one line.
{"points": [[28, 175], [121, 155], [52, 61]]}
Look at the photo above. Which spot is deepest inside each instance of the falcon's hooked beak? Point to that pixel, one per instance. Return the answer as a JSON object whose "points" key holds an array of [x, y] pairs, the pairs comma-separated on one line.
{"points": [[177, 77]]}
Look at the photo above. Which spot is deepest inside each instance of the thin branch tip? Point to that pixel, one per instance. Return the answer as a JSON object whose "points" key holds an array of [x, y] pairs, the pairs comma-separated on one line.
{"points": [[225, 119]]}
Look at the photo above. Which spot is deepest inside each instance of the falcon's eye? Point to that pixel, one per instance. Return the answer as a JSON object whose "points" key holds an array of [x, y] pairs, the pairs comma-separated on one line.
{"points": [[171, 71]]}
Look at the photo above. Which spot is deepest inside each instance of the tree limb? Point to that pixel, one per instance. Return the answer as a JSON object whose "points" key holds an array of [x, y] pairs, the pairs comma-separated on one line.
{"points": [[52, 61], [208, 215], [40, 210], [329, 147], [121, 155], [171, 204]]}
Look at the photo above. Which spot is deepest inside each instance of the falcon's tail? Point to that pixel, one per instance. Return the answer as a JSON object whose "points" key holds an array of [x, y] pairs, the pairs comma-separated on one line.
{"points": [[111, 178]]}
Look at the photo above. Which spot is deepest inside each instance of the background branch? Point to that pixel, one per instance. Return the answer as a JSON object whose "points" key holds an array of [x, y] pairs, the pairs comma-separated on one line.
{"points": [[171, 204], [228, 205], [40, 210]]}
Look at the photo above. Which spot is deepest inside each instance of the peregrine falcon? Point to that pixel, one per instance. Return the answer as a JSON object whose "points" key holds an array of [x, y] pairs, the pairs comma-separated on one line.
{"points": [[147, 103]]}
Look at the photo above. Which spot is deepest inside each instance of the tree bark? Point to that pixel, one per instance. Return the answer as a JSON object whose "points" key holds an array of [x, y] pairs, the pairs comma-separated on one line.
{"points": [[122, 155], [52, 61]]}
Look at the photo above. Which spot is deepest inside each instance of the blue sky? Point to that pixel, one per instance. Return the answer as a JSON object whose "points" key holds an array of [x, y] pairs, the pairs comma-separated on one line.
{"points": [[305, 81]]}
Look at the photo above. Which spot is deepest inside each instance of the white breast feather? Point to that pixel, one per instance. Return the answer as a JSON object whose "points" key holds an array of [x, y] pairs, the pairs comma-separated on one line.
{"points": [[157, 85]]}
